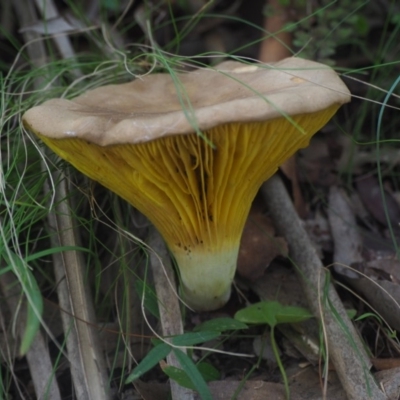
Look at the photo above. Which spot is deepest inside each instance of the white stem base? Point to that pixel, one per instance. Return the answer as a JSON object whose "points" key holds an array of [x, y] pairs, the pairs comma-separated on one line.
{"points": [[206, 276]]}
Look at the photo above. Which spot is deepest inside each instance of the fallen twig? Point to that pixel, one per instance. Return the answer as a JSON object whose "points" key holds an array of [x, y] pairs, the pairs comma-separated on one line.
{"points": [[88, 367], [42, 372], [343, 343], [168, 303]]}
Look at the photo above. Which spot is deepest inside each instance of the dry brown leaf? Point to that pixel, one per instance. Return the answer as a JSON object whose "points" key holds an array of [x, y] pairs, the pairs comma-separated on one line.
{"points": [[254, 390], [306, 384], [389, 381], [382, 206], [152, 390], [385, 363], [281, 284], [317, 162], [259, 246]]}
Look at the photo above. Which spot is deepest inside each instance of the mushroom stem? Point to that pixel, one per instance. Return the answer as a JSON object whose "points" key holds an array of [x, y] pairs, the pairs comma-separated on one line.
{"points": [[206, 276]]}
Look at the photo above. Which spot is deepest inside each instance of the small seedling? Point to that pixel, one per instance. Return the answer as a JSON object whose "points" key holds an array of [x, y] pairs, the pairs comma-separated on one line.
{"points": [[273, 313]]}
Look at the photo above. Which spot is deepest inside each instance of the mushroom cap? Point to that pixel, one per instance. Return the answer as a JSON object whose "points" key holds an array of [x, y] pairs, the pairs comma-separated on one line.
{"points": [[160, 105]]}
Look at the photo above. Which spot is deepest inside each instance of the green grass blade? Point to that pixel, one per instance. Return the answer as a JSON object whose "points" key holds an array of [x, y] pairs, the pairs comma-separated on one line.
{"points": [[49, 252], [193, 338], [220, 325], [193, 373], [154, 356], [150, 297], [207, 371], [34, 303]]}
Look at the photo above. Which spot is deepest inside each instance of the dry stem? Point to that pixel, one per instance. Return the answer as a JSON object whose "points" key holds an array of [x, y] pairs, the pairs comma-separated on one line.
{"points": [[343, 343]]}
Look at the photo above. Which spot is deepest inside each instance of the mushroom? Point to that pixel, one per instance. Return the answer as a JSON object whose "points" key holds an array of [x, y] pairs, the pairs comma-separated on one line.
{"points": [[190, 151]]}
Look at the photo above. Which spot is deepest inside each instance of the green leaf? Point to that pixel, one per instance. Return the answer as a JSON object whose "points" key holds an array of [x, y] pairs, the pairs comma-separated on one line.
{"points": [[272, 313], [112, 5], [351, 313], [154, 356], [193, 338], [391, 334], [292, 314], [150, 297], [395, 19], [368, 315], [259, 313], [284, 3], [362, 25], [179, 376], [194, 375], [207, 371], [221, 324]]}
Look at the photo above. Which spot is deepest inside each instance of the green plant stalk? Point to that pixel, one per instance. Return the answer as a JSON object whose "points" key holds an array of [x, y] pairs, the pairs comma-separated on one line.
{"points": [[279, 362]]}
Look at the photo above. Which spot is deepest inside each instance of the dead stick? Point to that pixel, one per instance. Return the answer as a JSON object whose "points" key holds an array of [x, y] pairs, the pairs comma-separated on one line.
{"points": [[168, 303], [345, 348]]}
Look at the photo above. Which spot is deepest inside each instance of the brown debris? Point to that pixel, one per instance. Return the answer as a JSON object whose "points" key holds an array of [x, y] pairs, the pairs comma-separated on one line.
{"points": [[259, 246]]}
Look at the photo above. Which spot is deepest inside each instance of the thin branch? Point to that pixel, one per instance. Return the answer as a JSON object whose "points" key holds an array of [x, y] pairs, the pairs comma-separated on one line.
{"points": [[345, 347], [168, 304]]}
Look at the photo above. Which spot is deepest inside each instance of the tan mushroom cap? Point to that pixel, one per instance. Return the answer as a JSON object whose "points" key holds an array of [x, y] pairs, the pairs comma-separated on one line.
{"points": [[151, 107], [138, 139]]}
